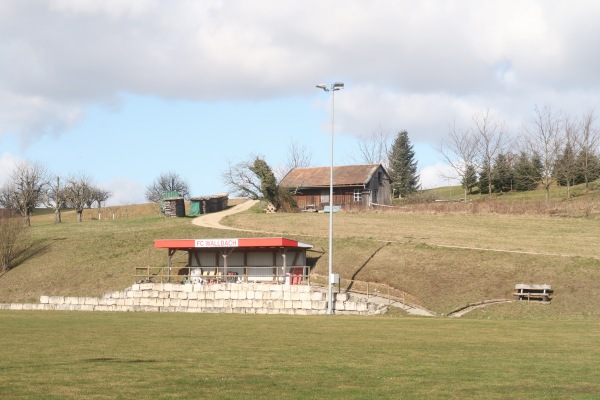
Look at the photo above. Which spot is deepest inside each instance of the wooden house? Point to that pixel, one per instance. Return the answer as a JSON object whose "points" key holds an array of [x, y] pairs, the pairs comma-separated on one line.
{"points": [[354, 187]]}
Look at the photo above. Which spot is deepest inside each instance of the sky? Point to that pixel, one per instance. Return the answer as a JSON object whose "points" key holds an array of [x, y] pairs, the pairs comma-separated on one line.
{"points": [[127, 90]]}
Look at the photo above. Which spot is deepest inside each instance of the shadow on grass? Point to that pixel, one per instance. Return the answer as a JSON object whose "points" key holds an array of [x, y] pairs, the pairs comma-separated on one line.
{"points": [[33, 249], [117, 360], [311, 262], [364, 265]]}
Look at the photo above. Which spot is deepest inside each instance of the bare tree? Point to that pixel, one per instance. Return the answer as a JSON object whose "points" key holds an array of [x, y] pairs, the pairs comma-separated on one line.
{"points": [[542, 138], [167, 182], [459, 150], [100, 196], [491, 139], [241, 181], [374, 149], [55, 198], [566, 169], [298, 157], [78, 192], [25, 189], [588, 140]]}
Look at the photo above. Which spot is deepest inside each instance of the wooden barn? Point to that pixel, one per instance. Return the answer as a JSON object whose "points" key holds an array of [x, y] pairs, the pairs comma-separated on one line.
{"points": [[354, 187]]}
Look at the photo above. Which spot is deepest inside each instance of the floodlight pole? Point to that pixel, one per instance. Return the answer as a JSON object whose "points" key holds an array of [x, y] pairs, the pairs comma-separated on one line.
{"points": [[334, 86]]}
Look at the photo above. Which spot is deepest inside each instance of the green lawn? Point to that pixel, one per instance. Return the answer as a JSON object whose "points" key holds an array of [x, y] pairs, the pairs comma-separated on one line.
{"points": [[78, 355]]}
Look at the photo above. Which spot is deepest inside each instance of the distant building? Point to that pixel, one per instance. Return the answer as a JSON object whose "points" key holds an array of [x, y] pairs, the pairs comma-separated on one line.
{"points": [[208, 204], [173, 207], [354, 187]]}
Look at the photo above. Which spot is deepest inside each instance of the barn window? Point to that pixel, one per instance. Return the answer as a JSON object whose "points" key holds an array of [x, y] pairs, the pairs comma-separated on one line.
{"points": [[324, 196], [357, 194]]}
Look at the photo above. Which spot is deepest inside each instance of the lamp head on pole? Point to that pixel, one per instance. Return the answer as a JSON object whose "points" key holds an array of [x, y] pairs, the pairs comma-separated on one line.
{"points": [[334, 86]]}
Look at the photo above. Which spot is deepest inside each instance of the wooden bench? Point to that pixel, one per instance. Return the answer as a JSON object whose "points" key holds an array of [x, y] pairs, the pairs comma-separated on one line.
{"points": [[533, 292]]}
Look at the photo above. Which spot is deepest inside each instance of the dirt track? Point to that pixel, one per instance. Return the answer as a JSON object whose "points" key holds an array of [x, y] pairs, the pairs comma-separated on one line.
{"points": [[212, 220]]}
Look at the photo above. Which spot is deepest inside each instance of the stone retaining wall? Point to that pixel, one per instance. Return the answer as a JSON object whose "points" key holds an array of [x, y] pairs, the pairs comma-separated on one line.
{"points": [[245, 298]]}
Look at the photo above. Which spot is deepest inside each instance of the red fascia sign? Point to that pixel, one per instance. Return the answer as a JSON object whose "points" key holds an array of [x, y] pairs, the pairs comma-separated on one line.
{"points": [[229, 243], [216, 243]]}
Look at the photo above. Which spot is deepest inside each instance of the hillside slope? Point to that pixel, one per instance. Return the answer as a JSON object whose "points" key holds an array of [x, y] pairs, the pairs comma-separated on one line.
{"points": [[444, 260]]}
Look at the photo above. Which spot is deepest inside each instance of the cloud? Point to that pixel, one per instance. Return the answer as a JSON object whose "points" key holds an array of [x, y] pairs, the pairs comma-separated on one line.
{"points": [[434, 176], [406, 65], [7, 162], [124, 191]]}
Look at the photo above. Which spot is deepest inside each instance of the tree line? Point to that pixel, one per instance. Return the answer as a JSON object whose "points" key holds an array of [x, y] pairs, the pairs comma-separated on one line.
{"points": [[30, 185], [553, 148]]}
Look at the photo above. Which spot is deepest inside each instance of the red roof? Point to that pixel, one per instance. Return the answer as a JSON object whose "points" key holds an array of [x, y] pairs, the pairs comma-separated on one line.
{"points": [[230, 243]]}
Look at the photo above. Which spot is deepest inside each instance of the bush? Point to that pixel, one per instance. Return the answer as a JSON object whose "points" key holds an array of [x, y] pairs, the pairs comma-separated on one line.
{"points": [[11, 231], [420, 197]]}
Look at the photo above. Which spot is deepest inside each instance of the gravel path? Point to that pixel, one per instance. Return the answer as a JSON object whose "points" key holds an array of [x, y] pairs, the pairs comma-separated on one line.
{"points": [[213, 220]]}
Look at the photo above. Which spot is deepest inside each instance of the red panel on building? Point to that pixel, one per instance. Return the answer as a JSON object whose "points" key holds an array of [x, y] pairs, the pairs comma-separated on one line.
{"points": [[228, 243]]}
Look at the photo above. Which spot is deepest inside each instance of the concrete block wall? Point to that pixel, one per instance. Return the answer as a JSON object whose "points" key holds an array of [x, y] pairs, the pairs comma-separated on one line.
{"points": [[244, 298]]}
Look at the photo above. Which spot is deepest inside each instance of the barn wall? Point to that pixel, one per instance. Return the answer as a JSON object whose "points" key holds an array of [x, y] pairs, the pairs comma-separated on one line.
{"points": [[380, 187], [343, 197]]}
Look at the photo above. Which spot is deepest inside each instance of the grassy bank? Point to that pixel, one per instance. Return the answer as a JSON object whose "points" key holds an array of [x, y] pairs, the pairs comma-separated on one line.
{"points": [[442, 260]]}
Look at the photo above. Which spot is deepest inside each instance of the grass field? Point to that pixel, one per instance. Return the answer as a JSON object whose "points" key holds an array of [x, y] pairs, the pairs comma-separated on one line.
{"points": [[445, 256], [78, 355]]}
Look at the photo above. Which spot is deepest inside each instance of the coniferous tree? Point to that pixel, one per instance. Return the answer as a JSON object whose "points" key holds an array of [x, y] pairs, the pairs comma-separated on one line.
{"points": [[484, 178], [469, 180], [403, 166], [502, 176], [566, 168], [588, 167], [526, 173]]}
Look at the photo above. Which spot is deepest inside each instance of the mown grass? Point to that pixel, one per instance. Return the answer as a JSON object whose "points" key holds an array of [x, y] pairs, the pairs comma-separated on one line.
{"points": [[77, 355]]}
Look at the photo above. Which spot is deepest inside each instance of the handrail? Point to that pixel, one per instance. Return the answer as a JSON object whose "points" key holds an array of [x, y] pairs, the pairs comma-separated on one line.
{"points": [[218, 275], [370, 289]]}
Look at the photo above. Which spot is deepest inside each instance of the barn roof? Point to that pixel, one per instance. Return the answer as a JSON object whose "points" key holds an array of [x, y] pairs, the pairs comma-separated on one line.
{"points": [[346, 175]]}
